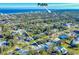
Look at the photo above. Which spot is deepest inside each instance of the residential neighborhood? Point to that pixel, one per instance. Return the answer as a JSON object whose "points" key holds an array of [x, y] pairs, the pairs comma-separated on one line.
{"points": [[40, 33]]}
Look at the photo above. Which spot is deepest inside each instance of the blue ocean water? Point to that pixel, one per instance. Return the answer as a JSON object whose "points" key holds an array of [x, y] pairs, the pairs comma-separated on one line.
{"points": [[35, 5], [24, 10], [32, 7], [17, 10]]}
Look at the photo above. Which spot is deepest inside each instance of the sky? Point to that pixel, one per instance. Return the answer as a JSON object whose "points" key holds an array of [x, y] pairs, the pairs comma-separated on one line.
{"points": [[34, 5]]}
